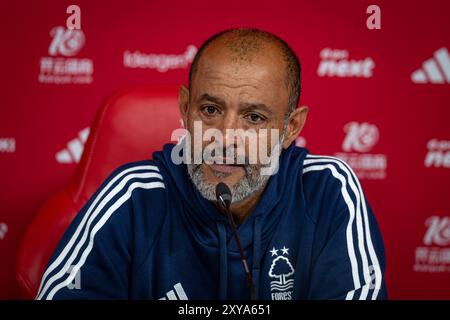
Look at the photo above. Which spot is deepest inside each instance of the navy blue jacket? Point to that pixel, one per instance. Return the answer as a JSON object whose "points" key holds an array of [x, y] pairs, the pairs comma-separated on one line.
{"points": [[147, 233]]}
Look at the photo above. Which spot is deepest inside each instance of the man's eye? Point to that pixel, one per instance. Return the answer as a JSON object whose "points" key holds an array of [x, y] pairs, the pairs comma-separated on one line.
{"points": [[209, 110], [255, 118]]}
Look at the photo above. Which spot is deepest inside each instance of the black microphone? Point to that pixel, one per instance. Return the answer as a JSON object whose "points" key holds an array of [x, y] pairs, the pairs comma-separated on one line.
{"points": [[223, 196]]}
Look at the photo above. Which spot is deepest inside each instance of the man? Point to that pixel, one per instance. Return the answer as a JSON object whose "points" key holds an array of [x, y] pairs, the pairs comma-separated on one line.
{"points": [[154, 230]]}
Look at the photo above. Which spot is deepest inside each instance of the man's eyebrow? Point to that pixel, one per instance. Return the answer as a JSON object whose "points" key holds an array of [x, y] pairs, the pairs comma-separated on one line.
{"points": [[246, 106], [207, 97], [255, 107]]}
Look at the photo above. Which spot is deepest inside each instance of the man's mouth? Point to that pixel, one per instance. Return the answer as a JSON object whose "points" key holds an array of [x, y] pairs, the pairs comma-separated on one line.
{"points": [[226, 168]]}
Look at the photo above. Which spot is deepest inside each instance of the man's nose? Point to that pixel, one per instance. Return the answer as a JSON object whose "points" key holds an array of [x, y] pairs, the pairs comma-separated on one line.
{"points": [[231, 123]]}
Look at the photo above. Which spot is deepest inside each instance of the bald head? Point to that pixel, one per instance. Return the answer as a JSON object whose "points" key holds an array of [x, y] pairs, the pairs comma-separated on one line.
{"points": [[243, 46]]}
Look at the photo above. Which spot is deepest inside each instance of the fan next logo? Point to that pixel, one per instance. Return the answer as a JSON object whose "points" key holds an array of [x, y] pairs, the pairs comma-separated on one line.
{"points": [[438, 154], [359, 140], [434, 255], [337, 63], [61, 66]]}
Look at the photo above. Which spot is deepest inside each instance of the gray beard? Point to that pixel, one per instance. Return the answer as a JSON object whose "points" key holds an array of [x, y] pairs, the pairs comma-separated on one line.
{"points": [[251, 183]]}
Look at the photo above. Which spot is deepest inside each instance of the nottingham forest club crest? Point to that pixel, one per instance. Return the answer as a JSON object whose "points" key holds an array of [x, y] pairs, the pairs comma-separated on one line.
{"points": [[282, 271]]}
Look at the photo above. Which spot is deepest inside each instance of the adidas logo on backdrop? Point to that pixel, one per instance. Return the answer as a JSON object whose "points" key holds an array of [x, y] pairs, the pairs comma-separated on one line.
{"points": [[435, 70], [74, 149]]}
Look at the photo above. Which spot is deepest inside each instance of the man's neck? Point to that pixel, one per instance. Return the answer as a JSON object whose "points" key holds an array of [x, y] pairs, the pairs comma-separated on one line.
{"points": [[241, 210]]}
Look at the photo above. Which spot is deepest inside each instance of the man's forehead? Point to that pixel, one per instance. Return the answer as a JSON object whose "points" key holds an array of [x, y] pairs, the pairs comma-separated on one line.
{"points": [[235, 76], [223, 89], [259, 78], [259, 73]]}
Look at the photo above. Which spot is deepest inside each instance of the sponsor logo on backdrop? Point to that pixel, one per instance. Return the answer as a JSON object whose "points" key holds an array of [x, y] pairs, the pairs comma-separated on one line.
{"points": [[435, 70], [438, 155], [61, 67], [3, 230], [434, 255], [359, 140], [7, 145], [159, 62], [74, 148], [337, 63]]}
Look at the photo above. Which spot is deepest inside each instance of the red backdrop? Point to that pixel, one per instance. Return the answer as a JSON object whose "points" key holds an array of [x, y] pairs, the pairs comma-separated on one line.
{"points": [[378, 98]]}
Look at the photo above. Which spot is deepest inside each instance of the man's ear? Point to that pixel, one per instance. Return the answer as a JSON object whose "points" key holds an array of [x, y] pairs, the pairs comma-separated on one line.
{"points": [[183, 103], [295, 125]]}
